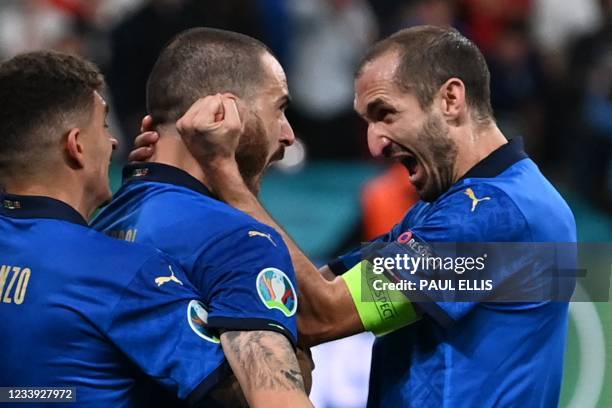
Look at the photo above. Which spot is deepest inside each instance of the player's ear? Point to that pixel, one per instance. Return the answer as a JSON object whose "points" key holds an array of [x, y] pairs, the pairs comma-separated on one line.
{"points": [[452, 100], [74, 148]]}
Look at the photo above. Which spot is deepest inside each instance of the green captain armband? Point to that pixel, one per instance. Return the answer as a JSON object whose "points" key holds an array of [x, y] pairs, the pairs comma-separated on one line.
{"points": [[380, 311]]}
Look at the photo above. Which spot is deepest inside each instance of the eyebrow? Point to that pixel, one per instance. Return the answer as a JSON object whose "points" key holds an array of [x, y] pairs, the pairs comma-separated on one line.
{"points": [[374, 106]]}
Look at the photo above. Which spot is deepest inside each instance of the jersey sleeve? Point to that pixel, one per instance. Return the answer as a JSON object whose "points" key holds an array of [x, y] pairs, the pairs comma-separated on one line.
{"points": [[252, 284], [160, 324]]}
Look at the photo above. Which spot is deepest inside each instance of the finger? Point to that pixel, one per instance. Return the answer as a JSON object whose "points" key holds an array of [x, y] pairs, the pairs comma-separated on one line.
{"points": [[202, 122], [209, 114], [141, 154], [209, 105], [146, 139], [243, 111], [232, 116], [147, 124], [202, 113]]}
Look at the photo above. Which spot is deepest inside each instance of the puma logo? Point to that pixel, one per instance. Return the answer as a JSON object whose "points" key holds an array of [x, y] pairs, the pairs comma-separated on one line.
{"points": [[261, 234], [475, 200], [165, 279]]}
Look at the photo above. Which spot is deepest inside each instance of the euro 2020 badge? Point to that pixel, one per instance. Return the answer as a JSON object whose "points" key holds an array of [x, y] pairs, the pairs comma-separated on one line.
{"points": [[276, 291], [198, 320]]}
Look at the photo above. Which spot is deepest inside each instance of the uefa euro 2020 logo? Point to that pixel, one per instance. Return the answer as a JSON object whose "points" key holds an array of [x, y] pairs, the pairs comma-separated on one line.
{"points": [[276, 291]]}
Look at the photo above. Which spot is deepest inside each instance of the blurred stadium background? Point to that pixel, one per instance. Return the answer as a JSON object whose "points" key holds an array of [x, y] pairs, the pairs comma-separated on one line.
{"points": [[551, 64]]}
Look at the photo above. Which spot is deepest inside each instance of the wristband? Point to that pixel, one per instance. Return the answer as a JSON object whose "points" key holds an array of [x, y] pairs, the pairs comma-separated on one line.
{"points": [[379, 312]]}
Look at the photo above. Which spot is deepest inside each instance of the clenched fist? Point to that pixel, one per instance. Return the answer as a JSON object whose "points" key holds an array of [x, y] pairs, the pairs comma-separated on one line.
{"points": [[211, 128]]}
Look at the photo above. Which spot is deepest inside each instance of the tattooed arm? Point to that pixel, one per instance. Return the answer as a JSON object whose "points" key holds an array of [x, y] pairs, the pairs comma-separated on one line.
{"points": [[266, 367]]}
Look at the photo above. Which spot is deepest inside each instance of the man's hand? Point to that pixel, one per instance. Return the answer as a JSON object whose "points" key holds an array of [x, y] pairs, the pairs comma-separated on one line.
{"points": [[144, 144], [211, 128]]}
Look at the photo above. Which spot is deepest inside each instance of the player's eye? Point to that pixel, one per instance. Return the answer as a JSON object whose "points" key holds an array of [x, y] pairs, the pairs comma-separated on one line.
{"points": [[384, 115]]}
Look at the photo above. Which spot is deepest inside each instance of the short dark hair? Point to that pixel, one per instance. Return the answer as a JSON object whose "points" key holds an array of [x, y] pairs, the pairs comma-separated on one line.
{"points": [[41, 94], [200, 62], [429, 56]]}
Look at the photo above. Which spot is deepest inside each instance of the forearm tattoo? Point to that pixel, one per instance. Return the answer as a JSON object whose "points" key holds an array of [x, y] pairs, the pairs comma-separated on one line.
{"points": [[266, 359]]}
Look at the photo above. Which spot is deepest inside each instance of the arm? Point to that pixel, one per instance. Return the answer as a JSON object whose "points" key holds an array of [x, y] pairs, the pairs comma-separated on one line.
{"points": [[228, 393], [266, 367]]}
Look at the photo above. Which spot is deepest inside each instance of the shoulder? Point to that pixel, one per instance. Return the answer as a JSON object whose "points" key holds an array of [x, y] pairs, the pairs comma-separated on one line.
{"points": [[248, 235], [119, 256], [98, 269], [176, 205], [472, 210], [544, 210], [185, 203]]}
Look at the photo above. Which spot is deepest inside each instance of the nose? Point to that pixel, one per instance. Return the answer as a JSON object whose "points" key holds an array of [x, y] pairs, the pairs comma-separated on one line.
{"points": [[287, 136], [377, 141], [114, 143]]}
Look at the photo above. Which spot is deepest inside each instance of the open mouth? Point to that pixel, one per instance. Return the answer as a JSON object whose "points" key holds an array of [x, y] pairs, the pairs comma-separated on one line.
{"points": [[410, 161], [278, 155], [414, 167]]}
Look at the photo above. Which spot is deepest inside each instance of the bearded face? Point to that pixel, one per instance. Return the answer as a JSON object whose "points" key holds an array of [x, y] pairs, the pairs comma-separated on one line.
{"points": [[429, 155], [401, 129], [256, 151], [267, 131]]}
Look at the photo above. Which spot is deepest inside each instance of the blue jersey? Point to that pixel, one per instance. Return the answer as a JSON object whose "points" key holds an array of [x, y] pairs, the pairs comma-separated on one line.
{"points": [[242, 268], [484, 354], [79, 309]]}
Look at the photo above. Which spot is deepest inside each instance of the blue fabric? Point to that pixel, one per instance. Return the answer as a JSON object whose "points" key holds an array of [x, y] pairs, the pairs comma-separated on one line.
{"points": [[91, 314], [241, 268]]}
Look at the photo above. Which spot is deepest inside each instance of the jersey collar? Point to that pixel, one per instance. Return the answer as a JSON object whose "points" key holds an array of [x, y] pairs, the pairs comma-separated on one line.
{"points": [[498, 161], [20, 206], [163, 173]]}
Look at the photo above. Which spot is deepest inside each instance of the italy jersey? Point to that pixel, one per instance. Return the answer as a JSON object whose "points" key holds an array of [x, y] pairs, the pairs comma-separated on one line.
{"points": [[478, 354], [241, 267], [80, 309]]}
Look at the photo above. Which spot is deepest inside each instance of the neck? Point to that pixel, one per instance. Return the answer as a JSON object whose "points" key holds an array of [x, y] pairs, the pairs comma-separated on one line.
{"points": [[477, 142], [63, 189], [171, 150]]}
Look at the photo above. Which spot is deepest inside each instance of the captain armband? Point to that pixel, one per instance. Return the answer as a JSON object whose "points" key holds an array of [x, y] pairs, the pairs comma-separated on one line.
{"points": [[380, 311]]}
